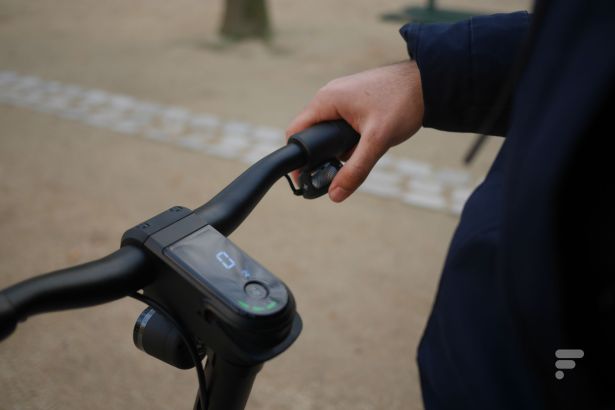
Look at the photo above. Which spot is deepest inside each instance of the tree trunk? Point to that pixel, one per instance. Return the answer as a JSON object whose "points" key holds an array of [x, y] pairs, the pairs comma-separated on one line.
{"points": [[245, 19]]}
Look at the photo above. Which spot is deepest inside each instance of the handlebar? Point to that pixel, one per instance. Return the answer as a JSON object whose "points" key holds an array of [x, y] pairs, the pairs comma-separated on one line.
{"points": [[125, 271], [233, 204], [308, 148], [100, 281]]}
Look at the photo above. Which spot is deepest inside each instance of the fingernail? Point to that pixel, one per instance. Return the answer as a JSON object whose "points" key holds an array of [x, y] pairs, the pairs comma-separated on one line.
{"points": [[338, 194]]}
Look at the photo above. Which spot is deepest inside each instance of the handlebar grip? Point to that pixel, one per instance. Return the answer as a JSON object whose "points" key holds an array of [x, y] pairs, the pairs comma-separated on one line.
{"points": [[325, 141]]}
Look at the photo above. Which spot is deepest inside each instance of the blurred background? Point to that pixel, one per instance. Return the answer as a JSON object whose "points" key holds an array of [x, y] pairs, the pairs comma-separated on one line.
{"points": [[112, 111]]}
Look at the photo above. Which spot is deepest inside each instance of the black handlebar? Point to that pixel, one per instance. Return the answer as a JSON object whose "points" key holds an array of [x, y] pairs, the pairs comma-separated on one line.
{"points": [[100, 281], [227, 210], [125, 271], [311, 147]]}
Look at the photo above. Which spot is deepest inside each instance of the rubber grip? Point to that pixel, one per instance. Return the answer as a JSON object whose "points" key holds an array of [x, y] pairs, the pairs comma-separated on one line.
{"points": [[325, 141]]}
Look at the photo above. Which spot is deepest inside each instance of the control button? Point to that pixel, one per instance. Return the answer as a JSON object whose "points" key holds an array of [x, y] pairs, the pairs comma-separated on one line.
{"points": [[256, 290]]}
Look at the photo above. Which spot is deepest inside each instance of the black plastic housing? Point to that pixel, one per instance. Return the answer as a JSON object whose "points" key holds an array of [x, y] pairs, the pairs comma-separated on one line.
{"points": [[235, 334]]}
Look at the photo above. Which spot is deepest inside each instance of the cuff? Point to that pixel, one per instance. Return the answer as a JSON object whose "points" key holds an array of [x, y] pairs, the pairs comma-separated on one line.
{"points": [[463, 67]]}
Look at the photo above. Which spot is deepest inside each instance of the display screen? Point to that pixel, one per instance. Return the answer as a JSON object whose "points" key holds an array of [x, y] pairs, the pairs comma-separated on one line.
{"points": [[214, 261]]}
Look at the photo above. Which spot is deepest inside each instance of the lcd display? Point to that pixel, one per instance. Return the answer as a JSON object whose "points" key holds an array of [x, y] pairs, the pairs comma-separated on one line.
{"points": [[222, 267]]}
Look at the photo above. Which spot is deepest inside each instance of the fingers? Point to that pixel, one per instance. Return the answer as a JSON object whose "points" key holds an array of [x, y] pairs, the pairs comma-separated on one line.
{"points": [[356, 169], [302, 121], [321, 108]]}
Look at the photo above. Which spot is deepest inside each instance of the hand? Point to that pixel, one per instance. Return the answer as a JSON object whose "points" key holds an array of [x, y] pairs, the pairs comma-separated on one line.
{"points": [[384, 105]]}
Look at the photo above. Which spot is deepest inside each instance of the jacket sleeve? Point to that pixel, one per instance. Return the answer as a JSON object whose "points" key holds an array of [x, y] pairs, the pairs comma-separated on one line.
{"points": [[464, 66]]}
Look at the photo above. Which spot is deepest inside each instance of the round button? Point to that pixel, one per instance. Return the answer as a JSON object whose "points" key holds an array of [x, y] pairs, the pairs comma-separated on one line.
{"points": [[256, 290]]}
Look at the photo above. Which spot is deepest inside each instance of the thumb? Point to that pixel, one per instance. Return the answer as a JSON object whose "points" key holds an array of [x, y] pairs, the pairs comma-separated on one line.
{"points": [[356, 169]]}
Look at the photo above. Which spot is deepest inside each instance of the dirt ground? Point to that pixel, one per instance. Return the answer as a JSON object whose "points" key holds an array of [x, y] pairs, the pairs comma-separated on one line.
{"points": [[364, 273]]}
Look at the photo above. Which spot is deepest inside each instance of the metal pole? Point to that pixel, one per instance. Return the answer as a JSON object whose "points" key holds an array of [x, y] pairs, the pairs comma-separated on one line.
{"points": [[228, 384]]}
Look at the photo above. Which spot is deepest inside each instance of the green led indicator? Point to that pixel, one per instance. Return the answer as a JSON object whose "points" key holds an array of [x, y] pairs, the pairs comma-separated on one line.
{"points": [[243, 304], [272, 304], [258, 308]]}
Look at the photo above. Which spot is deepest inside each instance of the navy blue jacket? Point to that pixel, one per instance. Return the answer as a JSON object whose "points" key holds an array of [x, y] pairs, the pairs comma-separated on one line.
{"points": [[530, 269]]}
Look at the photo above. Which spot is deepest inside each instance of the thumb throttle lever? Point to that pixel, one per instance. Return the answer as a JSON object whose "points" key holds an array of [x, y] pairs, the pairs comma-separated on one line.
{"points": [[314, 183], [322, 143]]}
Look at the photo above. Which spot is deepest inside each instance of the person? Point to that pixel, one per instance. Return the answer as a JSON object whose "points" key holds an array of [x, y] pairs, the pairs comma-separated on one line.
{"points": [[530, 269]]}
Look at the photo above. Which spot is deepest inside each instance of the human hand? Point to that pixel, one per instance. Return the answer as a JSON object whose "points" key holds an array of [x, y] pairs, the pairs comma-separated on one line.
{"points": [[384, 105]]}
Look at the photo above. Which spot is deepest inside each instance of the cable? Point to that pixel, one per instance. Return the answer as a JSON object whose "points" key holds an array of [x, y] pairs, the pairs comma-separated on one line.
{"points": [[202, 395]]}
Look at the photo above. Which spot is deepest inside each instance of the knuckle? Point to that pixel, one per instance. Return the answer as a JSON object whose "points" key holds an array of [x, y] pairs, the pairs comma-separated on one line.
{"points": [[323, 92], [335, 85], [378, 141]]}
